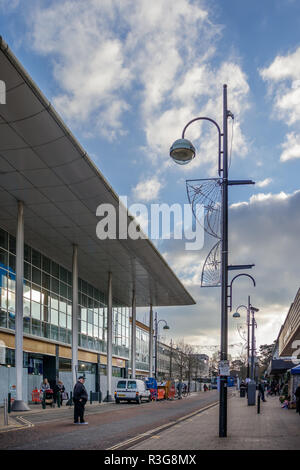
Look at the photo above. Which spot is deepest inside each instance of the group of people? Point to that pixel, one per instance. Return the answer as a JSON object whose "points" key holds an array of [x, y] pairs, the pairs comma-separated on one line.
{"points": [[58, 388]]}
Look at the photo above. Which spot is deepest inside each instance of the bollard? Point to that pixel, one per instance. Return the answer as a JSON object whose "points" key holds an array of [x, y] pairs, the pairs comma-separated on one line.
{"points": [[58, 399], [100, 396], [91, 397], [43, 401], [5, 413], [258, 403], [9, 403]]}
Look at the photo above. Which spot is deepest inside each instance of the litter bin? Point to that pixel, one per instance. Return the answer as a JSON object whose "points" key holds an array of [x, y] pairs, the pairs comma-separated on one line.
{"points": [[252, 393], [242, 392]]}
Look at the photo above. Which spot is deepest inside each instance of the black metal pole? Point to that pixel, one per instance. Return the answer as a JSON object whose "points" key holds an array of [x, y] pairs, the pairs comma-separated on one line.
{"points": [[171, 353], [248, 338], [224, 309], [156, 348], [253, 346]]}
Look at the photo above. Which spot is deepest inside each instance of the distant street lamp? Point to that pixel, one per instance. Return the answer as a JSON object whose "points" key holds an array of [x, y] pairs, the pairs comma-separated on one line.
{"points": [[166, 327], [237, 315], [182, 152]]}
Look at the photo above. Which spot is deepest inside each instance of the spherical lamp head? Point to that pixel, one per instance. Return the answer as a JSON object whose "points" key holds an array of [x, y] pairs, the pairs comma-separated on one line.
{"points": [[166, 327], [182, 151], [236, 315]]}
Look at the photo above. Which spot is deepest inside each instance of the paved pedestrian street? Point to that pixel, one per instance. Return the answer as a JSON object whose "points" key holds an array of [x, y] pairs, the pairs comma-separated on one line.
{"points": [[273, 429]]}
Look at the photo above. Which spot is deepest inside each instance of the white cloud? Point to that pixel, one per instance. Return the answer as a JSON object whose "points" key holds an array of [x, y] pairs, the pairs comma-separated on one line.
{"points": [[284, 88], [147, 190], [291, 147], [263, 230], [103, 51], [264, 183]]}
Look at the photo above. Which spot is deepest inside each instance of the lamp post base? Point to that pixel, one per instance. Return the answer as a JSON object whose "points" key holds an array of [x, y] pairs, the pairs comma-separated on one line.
{"points": [[108, 398], [19, 405]]}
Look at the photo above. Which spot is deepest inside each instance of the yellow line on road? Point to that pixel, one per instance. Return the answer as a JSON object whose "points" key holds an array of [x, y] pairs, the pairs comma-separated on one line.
{"points": [[167, 425]]}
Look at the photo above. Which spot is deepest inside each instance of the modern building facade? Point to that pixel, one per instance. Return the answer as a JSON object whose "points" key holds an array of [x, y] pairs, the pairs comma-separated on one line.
{"points": [[66, 295], [289, 338]]}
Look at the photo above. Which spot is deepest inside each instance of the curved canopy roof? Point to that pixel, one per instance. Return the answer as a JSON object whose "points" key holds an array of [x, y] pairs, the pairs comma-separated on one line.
{"points": [[42, 164]]}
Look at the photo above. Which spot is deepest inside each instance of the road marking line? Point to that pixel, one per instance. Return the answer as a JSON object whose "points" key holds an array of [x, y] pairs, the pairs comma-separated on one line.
{"points": [[167, 425]]}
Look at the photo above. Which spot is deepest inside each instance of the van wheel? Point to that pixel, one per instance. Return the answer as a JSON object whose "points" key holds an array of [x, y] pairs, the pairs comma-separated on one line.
{"points": [[117, 401], [139, 400]]}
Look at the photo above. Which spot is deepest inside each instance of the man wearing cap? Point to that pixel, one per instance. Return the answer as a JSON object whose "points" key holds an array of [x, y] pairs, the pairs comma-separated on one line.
{"points": [[80, 398]]}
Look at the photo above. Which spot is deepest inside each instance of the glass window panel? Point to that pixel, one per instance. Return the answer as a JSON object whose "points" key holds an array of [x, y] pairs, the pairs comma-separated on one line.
{"points": [[27, 271], [54, 332], [11, 301], [54, 301], [63, 274], [84, 301], [35, 294], [63, 335], [27, 253], [83, 287], [36, 258], [3, 319], [69, 322], [70, 278], [90, 290], [36, 276], [96, 318], [11, 283], [83, 314], [90, 302], [12, 244], [3, 278], [63, 289], [45, 297], [3, 258], [83, 327], [11, 320], [90, 329], [27, 290], [26, 325], [35, 310], [46, 264], [63, 320], [54, 317], [3, 239], [69, 309], [70, 293], [12, 262], [54, 269], [62, 306], [46, 281], [45, 314], [90, 316], [26, 307], [55, 285], [46, 330], [36, 327]]}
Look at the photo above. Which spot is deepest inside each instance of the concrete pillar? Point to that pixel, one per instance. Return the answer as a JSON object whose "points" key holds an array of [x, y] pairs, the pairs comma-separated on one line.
{"points": [[19, 404], [133, 336], [109, 339], [75, 315], [151, 342]]}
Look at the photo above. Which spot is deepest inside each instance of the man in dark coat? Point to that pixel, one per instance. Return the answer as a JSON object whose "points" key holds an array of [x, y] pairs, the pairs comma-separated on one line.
{"points": [[80, 398]]}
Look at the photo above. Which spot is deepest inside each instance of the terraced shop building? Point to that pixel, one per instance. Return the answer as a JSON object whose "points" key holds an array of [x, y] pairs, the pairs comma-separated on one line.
{"points": [[66, 296]]}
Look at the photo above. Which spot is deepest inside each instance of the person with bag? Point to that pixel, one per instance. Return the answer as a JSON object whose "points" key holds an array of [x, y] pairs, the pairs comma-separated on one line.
{"points": [[59, 387], [80, 397]]}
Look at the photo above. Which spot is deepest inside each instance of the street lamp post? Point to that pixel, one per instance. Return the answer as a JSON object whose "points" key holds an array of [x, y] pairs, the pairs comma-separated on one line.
{"points": [[253, 310], [182, 151], [249, 308], [166, 327]]}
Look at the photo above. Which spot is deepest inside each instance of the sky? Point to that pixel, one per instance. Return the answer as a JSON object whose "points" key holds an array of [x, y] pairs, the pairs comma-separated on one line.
{"points": [[127, 75]]}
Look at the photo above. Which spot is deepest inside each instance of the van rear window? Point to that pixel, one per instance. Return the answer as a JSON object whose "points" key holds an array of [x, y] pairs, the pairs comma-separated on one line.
{"points": [[131, 384], [121, 384]]}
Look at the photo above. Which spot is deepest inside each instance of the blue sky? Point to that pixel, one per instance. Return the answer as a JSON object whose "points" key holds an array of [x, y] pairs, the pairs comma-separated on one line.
{"points": [[126, 76]]}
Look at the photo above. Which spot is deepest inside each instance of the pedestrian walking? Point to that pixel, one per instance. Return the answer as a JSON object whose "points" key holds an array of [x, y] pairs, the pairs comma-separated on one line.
{"points": [[297, 395], [179, 390], [59, 387], [80, 398], [261, 390]]}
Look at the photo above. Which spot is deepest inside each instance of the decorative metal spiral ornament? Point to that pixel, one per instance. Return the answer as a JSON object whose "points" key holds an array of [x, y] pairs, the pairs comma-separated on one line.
{"points": [[207, 194]]}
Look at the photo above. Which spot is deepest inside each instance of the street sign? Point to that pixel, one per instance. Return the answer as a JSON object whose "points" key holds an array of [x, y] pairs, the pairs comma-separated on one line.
{"points": [[224, 368]]}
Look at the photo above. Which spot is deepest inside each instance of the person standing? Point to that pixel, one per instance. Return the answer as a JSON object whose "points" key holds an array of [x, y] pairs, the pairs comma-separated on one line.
{"points": [[261, 389], [80, 398]]}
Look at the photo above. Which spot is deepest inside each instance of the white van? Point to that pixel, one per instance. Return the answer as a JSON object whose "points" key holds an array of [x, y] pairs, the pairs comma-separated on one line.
{"points": [[131, 390]]}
